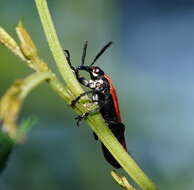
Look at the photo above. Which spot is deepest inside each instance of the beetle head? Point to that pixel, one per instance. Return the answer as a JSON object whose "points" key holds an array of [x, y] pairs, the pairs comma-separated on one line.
{"points": [[94, 71]]}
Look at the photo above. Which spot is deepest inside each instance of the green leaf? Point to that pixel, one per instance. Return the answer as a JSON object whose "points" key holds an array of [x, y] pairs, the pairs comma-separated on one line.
{"points": [[6, 146]]}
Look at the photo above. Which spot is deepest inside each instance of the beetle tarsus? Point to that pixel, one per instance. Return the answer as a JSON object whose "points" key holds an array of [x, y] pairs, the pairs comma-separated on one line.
{"points": [[79, 118], [78, 98]]}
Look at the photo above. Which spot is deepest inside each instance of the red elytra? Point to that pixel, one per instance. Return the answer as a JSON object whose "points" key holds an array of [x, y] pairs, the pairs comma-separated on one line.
{"points": [[114, 96]]}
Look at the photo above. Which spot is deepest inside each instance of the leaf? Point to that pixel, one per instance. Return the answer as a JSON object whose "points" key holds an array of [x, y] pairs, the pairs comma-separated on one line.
{"points": [[6, 147]]}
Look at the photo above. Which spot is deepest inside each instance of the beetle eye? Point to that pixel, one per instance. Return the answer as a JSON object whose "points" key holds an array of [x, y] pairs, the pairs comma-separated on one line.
{"points": [[96, 70]]}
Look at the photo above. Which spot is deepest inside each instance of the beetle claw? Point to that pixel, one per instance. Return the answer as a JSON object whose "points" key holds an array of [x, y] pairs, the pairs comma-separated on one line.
{"points": [[79, 118], [73, 103]]}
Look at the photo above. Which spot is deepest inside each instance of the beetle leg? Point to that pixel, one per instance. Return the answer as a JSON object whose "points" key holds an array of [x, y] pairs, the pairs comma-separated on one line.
{"points": [[81, 95], [80, 117], [91, 112], [95, 136], [67, 55]]}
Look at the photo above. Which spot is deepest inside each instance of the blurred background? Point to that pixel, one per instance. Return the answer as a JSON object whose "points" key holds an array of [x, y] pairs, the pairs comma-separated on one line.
{"points": [[151, 64]]}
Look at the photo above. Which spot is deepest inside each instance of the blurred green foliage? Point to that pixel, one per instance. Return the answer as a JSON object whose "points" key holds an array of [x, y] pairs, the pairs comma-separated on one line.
{"points": [[6, 146]]}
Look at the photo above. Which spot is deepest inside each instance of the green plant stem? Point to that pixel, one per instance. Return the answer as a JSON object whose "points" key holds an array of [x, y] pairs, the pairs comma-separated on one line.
{"points": [[60, 89], [96, 122], [32, 81], [56, 48], [36, 78]]}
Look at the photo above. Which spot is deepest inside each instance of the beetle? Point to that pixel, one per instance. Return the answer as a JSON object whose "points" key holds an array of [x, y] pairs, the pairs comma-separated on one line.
{"points": [[104, 95]]}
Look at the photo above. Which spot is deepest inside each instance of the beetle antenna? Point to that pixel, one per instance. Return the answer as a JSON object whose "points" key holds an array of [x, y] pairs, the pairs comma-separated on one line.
{"points": [[101, 52], [84, 53]]}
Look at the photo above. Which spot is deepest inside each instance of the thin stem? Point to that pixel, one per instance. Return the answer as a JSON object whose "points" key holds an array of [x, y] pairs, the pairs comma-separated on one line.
{"points": [[56, 48], [60, 89], [32, 81], [36, 78]]}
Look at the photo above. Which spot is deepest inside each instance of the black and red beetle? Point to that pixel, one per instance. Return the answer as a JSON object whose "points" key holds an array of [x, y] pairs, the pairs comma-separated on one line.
{"points": [[104, 95]]}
